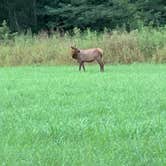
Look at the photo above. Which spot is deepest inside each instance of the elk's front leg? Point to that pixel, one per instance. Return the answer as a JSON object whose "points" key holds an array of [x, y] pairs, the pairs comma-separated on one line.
{"points": [[80, 64], [83, 66]]}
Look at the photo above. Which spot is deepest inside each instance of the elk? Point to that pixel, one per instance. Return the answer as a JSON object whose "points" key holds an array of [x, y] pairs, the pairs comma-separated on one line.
{"points": [[88, 55]]}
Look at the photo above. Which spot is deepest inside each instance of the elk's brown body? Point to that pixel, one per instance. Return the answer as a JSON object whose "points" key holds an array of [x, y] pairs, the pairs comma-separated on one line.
{"points": [[89, 55]]}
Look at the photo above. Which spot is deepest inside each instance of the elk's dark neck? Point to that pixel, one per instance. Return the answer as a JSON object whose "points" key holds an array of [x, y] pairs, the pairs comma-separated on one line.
{"points": [[74, 56]]}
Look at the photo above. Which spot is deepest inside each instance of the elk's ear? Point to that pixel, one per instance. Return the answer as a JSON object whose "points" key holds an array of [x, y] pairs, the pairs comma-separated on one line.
{"points": [[73, 48]]}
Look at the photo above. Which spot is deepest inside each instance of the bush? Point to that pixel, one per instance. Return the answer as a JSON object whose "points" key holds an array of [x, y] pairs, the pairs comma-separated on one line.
{"points": [[5, 33]]}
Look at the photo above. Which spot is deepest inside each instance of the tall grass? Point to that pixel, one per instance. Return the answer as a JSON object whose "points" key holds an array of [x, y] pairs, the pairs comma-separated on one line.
{"points": [[145, 45]]}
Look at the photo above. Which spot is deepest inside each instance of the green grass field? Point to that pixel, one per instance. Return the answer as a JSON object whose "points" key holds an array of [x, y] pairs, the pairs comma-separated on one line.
{"points": [[58, 116]]}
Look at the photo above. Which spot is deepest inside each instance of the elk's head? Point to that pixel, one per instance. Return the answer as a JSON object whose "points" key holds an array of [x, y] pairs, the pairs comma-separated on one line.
{"points": [[74, 52]]}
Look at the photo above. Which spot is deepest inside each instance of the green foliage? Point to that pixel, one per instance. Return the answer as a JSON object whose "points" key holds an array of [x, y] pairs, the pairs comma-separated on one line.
{"points": [[89, 14], [5, 33], [65, 15], [58, 116]]}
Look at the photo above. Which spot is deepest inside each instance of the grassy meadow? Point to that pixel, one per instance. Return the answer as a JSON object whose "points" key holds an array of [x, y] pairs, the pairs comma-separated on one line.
{"points": [[59, 116]]}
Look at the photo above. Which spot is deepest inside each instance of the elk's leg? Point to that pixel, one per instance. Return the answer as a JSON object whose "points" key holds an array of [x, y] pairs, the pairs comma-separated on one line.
{"points": [[100, 62], [83, 66], [80, 64]]}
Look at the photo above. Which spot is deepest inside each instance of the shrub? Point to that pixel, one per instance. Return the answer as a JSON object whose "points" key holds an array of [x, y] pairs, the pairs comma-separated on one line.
{"points": [[5, 33]]}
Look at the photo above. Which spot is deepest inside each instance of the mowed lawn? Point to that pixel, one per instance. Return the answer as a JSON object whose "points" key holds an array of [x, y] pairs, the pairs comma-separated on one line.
{"points": [[58, 116]]}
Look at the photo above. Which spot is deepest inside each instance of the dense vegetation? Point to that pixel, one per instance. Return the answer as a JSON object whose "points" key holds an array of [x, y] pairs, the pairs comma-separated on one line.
{"points": [[94, 14], [145, 45], [58, 116]]}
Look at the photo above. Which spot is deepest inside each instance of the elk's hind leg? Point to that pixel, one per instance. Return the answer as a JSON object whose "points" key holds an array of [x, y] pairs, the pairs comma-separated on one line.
{"points": [[100, 62]]}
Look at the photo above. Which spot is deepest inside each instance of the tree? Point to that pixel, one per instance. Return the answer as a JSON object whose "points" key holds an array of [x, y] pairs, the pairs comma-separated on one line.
{"points": [[95, 14]]}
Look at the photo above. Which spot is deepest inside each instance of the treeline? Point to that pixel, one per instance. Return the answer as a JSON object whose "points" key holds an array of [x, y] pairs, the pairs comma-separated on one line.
{"points": [[64, 15]]}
